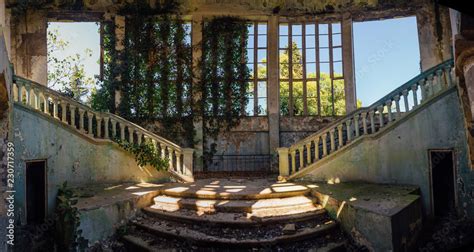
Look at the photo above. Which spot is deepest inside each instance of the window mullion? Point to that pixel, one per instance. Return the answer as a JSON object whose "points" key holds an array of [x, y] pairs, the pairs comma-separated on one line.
{"points": [[255, 69], [318, 79], [290, 69], [331, 75], [303, 47]]}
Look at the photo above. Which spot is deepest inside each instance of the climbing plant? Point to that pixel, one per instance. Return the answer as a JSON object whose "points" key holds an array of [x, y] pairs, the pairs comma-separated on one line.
{"points": [[224, 77], [155, 70]]}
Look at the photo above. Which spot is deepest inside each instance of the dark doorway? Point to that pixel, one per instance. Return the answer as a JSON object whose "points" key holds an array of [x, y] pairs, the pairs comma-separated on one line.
{"points": [[442, 182], [35, 191]]}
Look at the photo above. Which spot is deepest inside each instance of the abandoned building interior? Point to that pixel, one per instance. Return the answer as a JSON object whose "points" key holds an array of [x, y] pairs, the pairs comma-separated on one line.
{"points": [[234, 125]]}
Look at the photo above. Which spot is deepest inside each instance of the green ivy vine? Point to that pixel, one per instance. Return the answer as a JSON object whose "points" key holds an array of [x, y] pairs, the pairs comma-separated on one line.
{"points": [[155, 70], [145, 154]]}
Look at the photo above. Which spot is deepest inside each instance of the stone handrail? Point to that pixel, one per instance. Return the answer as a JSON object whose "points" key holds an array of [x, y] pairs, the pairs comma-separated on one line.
{"points": [[367, 120], [99, 125]]}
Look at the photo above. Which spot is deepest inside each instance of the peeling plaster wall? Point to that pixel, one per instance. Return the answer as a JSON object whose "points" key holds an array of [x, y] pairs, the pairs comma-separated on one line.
{"points": [[29, 45], [5, 130], [400, 156], [69, 156], [434, 35], [293, 129]]}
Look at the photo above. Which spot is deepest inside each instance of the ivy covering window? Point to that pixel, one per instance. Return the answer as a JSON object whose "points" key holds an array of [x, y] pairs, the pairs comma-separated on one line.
{"points": [[257, 65], [311, 75]]}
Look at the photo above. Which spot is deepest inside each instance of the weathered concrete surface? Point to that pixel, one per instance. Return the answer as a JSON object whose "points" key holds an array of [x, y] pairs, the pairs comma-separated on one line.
{"points": [[381, 217], [5, 130], [70, 157], [111, 206], [29, 45], [434, 35], [400, 154], [293, 129]]}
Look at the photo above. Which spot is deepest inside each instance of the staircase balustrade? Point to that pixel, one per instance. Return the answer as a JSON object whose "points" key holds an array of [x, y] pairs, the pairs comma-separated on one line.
{"points": [[98, 125], [366, 121]]}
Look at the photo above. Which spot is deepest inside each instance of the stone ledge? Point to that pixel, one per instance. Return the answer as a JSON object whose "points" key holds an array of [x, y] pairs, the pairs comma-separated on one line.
{"points": [[380, 217]]}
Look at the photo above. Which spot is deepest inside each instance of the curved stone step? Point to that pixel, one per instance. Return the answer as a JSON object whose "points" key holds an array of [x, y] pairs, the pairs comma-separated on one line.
{"points": [[234, 191], [194, 236], [264, 207], [230, 219]]}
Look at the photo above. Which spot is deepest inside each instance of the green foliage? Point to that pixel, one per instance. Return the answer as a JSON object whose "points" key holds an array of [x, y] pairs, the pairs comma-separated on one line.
{"points": [[325, 89], [67, 221], [67, 74], [224, 76], [145, 154], [102, 99]]}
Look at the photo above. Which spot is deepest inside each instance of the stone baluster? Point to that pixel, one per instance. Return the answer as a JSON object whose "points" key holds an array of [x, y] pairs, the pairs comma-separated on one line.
{"points": [[316, 149], [99, 126], [72, 109], [81, 120], [389, 110], [397, 106], [380, 110], [422, 85], [364, 122], [429, 84], [308, 152], [38, 95], [405, 100], [106, 127], [46, 104], [55, 108], [63, 112], [349, 130], [163, 151], [301, 151], [332, 139], [339, 136], [139, 137], [325, 144], [293, 161], [28, 95], [178, 161], [439, 80], [188, 161], [447, 71], [89, 123], [130, 135], [19, 93], [372, 121], [114, 128], [170, 157], [122, 131], [414, 87], [356, 125]]}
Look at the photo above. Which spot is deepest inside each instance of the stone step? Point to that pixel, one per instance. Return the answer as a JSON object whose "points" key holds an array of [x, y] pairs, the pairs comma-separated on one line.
{"points": [[234, 190], [237, 238], [260, 208], [231, 219]]}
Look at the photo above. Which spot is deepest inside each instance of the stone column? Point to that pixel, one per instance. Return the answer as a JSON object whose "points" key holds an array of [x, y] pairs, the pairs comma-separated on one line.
{"points": [[465, 65], [273, 85], [434, 35], [29, 45], [119, 47], [348, 64], [196, 38]]}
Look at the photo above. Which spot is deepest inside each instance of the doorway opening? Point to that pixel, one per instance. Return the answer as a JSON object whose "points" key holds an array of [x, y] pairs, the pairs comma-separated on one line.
{"points": [[442, 182], [35, 191]]}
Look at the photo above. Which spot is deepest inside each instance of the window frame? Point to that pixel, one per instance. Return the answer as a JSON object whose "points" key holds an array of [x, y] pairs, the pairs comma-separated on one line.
{"points": [[317, 47]]}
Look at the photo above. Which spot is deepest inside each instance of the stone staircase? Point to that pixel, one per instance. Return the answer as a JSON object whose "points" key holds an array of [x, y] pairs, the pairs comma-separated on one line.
{"points": [[234, 214]]}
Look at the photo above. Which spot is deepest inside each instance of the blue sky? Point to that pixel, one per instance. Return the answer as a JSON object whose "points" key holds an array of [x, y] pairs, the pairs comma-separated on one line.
{"points": [[386, 56], [80, 36], [386, 53]]}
